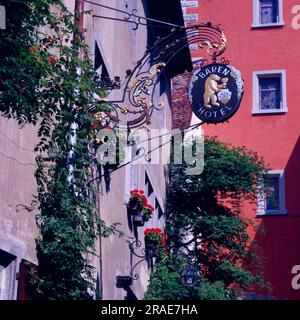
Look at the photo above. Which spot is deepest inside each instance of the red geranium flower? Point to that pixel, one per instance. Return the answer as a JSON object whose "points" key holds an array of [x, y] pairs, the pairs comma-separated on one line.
{"points": [[107, 128], [32, 49], [23, 86], [95, 125], [48, 42], [150, 207], [52, 60], [156, 235], [147, 231]]}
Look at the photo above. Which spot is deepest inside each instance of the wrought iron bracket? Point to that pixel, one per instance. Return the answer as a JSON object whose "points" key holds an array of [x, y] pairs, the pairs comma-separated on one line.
{"points": [[137, 100], [134, 247], [139, 254]]}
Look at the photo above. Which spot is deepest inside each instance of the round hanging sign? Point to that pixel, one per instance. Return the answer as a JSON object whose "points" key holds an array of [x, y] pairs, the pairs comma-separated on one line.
{"points": [[216, 92]]}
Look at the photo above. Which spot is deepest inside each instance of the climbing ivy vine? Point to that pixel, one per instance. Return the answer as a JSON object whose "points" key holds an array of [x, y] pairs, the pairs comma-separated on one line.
{"points": [[47, 79]]}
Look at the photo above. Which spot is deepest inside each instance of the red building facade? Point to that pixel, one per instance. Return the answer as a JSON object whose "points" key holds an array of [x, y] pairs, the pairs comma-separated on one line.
{"points": [[264, 44]]}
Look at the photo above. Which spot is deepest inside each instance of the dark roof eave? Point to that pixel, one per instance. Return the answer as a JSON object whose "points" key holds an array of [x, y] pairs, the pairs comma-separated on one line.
{"points": [[168, 11]]}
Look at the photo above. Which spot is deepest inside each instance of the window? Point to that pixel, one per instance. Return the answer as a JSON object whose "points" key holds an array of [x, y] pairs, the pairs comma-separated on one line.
{"points": [[158, 209], [99, 64], [267, 13], [269, 92], [272, 199], [7, 275], [148, 188]]}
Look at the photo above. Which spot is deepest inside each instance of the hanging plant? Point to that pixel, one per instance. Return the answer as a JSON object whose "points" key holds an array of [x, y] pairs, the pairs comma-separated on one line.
{"points": [[155, 242], [138, 205], [155, 235]]}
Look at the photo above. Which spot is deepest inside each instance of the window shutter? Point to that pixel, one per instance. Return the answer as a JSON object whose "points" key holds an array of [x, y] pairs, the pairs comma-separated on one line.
{"points": [[25, 287]]}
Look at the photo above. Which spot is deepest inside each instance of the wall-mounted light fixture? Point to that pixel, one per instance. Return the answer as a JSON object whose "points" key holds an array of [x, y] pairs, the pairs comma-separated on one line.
{"points": [[189, 276], [125, 282]]}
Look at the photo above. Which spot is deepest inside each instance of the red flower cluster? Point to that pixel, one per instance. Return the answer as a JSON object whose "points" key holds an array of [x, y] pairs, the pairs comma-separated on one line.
{"points": [[137, 192], [48, 42], [139, 197], [157, 235], [107, 128], [148, 206], [52, 60], [155, 230], [95, 125], [32, 49]]}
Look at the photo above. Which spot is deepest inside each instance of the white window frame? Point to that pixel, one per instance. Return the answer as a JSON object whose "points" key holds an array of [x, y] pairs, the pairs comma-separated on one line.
{"points": [[2, 18], [256, 96], [256, 20], [261, 206]]}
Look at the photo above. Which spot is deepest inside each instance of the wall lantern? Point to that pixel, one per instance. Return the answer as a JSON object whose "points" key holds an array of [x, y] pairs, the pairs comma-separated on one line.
{"points": [[189, 276], [123, 281]]}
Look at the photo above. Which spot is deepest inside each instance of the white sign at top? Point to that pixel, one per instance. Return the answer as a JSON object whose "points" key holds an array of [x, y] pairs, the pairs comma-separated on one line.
{"points": [[191, 17], [189, 4]]}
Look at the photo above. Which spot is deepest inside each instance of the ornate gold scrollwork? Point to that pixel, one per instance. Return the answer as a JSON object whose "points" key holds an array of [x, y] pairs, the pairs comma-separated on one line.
{"points": [[138, 93], [156, 69], [124, 110], [214, 48], [132, 83], [160, 106], [223, 44]]}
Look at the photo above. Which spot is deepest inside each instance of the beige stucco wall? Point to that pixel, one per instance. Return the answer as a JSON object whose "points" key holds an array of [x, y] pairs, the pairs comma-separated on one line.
{"points": [[121, 47], [17, 185], [18, 228]]}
